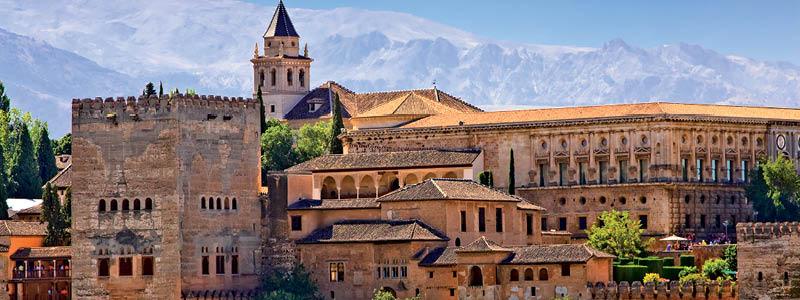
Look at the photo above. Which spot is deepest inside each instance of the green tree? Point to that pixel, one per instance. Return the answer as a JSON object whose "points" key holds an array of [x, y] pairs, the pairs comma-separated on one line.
{"points": [[294, 285], [45, 157], [63, 145], [774, 188], [311, 140], [712, 269], [24, 176], [276, 147], [337, 125], [619, 235], [386, 295], [66, 216], [486, 178], [5, 103], [511, 181], [149, 89], [51, 214], [263, 110], [730, 256], [160, 89], [3, 184]]}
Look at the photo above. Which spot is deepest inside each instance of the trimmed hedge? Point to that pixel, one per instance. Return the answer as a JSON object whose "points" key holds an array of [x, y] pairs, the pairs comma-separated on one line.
{"points": [[669, 261], [625, 261], [687, 260], [653, 265], [671, 273], [629, 273]]}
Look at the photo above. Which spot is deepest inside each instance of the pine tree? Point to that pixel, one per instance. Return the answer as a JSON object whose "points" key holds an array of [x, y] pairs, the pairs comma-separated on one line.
{"points": [[160, 89], [511, 181], [24, 176], [3, 190], [149, 89], [263, 111], [335, 145], [51, 213], [45, 157], [5, 103]]}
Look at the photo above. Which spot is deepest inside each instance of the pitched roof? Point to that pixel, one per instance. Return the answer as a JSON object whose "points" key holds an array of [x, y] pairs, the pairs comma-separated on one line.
{"points": [[63, 178], [33, 210], [334, 204], [442, 256], [406, 102], [280, 25], [388, 160], [551, 254], [374, 231], [447, 189], [524, 204], [22, 228], [608, 111], [43, 252], [482, 245]]}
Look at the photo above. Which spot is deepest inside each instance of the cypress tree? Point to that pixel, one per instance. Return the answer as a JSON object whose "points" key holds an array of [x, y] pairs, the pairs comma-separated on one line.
{"points": [[3, 190], [45, 157], [511, 181], [263, 111], [335, 145], [51, 213], [66, 216], [24, 177], [160, 89], [5, 103]]}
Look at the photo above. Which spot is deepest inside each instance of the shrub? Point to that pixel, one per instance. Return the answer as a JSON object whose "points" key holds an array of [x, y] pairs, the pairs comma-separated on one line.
{"points": [[729, 255], [694, 278], [629, 273], [688, 270], [687, 260], [653, 265], [625, 261], [672, 272], [651, 277], [712, 269], [669, 261]]}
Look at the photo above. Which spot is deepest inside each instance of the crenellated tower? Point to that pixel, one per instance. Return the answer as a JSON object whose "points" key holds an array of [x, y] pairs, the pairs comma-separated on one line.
{"points": [[282, 71]]}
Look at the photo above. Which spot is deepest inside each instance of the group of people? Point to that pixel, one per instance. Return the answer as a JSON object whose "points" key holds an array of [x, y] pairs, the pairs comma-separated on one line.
{"points": [[692, 240]]}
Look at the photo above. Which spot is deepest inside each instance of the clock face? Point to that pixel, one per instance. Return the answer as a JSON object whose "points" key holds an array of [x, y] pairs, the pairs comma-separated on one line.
{"points": [[781, 141]]}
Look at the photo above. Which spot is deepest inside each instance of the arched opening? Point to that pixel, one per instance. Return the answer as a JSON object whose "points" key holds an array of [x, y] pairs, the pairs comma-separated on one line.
{"points": [[410, 179], [329, 190], [203, 203], [101, 207], [390, 291], [126, 205], [543, 274], [219, 203], [211, 203], [227, 203], [450, 175], [302, 78], [388, 183], [348, 189], [102, 267], [428, 176], [785, 277], [366, 188], [113, 204], [272, 77], [643, 199], [514, 275], [137, 205], [528, 274], [760, 276], [622, 200], [234, 204], [475, 276], [289, 77], [458, 242]]}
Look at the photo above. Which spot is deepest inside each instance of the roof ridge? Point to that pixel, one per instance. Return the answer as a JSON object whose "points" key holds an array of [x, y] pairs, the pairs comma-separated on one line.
{"points": [[438, 188]]}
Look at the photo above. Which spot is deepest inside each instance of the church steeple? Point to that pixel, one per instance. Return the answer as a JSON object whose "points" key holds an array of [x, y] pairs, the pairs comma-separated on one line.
{"points": [[280, 32], [281, 24]]}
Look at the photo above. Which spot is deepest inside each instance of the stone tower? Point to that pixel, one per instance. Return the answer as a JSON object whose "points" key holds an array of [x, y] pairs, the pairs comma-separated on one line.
{"points": [[282, 71], [166, 197]]}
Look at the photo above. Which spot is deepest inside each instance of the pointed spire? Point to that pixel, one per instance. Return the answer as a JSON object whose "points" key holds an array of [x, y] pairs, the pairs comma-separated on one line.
{"points": [[305, 51], [280, 25], [256, 52]]}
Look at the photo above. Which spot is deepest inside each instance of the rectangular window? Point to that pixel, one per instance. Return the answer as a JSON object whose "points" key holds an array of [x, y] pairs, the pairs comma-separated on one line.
{"points": [[481, 219], [544, 223], [395, 272], [533, 291], [542, 174], [729, 170], [564, 269], [403, 272], [643, 221], [430, 274], [685, 169], [272, 108], [623, 171], [603, 172], [463, 221], [297, 223], [700, 170], [455, 274], [643, 166], [205, 265], [733, 221], [529, 224], [745, 172], [562, 174], [562, 224], [452, 292], [337, 272], [220, 265], [498, 214], [688, 221], [703, 221], [234, 264], [378, 272], [103, 267], [582, 223], [147, 266], [582, 173], [125, 266], [385, 272], [714, 165]]}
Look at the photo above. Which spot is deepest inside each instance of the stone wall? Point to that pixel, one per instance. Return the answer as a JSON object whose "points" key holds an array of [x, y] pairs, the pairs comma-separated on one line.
{"points": [[769, 260], [724, 290]]}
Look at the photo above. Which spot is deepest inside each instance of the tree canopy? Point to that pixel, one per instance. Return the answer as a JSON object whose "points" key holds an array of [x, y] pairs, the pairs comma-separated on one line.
{"points": [[294, 285], [276, 146], [386, 295], [774, 188], [5, 103], [63, 145], [24, 177], [52, 214], [45, 157], [335, 144], [618, 235], [149, 90], [311, 140]]}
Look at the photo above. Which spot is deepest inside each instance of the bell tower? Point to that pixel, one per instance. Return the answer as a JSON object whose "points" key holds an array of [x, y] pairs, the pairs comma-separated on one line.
{"points": [[282, 72]]}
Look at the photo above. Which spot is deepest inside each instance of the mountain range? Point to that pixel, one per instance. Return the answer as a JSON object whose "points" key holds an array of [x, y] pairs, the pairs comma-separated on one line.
{"points": [[57, 50]]}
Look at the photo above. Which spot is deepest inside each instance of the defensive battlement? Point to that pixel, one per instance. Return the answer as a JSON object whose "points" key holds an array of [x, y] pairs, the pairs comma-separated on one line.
{"points": [[662, 290], [759, 230], [136, 107]]}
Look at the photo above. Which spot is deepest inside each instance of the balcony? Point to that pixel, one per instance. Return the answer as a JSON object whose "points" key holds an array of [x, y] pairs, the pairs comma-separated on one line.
{"points": [[42, 274]]}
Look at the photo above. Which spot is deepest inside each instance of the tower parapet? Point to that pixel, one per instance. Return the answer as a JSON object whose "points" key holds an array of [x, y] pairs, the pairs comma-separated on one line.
{"points": [[142, 107], [762, 231]]}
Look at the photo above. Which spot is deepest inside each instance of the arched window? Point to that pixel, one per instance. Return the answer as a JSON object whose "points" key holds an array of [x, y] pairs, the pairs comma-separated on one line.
{"points": [[219, 203], [227, 204], [262, 78], [113, 204], [514, 275], [458, 242], [101, 207], [543, 274], [528, 274], [785, 277], [102, 267], [211, 203], [148, 204], [289, 77], [272, 77], [203, 203], [137, 205], [475, 276], [126, 205], [760, 276], [233, 204], [302, 77], [329, 189]]}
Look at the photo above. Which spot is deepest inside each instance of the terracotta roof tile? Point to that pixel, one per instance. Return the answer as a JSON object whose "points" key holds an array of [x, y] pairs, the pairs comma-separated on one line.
{"points": [[33, 210], [388, 160], [335, 204], [43, 252], [447, 189], [63, 178], [440, 257], [374, 231], [552, 254], [482, 245], [22, 228]]}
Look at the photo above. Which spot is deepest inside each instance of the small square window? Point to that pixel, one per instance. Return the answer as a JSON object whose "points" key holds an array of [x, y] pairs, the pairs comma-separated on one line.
{"points": [[272, 108], [430, 274], [455, 274], [297, 223]]}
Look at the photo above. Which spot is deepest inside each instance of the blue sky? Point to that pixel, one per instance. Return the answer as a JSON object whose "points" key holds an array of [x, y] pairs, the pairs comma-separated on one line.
{"points": [[768, 30]]}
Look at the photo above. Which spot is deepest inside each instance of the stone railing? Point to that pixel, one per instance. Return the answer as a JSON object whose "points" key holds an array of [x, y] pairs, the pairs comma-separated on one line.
{"points": [[724, 290]]}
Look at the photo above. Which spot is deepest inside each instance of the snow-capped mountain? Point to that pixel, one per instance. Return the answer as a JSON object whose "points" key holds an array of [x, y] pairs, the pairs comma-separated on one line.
{"points": [[207, 44]]}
